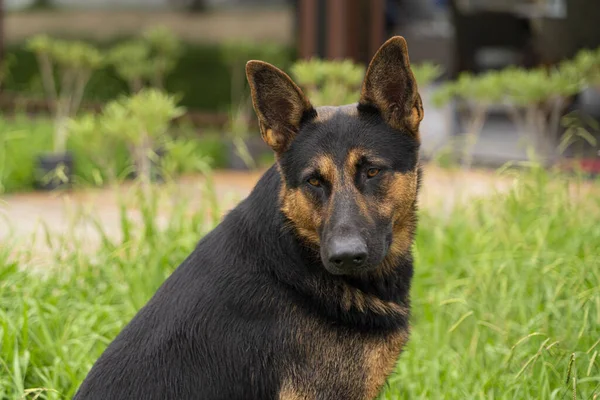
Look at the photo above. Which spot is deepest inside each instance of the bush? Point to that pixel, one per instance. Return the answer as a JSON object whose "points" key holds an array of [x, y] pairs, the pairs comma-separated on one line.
{"points": [[201, 76], [146, 60], [65, 70], [329, 83], [141, 120], [535, 99], [21, 141], [97, 160], [335, 83]]}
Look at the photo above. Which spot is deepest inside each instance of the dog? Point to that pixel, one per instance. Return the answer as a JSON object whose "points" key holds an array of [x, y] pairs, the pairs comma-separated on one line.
{"points": [[302, 291]]}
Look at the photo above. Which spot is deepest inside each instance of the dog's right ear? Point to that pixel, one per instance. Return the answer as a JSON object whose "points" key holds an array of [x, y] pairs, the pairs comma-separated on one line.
{"points": [[391, 87], [279, 104]]}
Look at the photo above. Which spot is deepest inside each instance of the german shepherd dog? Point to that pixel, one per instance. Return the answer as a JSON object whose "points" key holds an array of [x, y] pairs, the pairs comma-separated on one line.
{"points": [[302, 291]]}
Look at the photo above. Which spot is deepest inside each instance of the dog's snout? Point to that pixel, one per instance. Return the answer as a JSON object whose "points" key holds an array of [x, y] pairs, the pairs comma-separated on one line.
{"points": [[347, 253]]}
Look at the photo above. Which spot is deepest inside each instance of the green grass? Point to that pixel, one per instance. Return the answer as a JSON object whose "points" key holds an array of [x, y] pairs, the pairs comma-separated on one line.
{"points": [[506, 298]]}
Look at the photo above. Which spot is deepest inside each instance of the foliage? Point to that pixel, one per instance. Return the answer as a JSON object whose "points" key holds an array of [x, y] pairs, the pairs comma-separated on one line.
{"points": [[73, 62], [335, 83], [477, 94], [141, 120], [536, 99], [147, 59], [130, 60], [329, 83], [426, 72], [99, 158], [577, 131], [506, 299], [144, 115], [236, 53], [21, 140], [201, 75], [586, 63], [238, 131]]}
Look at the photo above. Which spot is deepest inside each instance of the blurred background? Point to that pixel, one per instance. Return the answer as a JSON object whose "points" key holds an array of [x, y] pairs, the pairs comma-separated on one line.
{"points": [[501, 79], [127, 132]]}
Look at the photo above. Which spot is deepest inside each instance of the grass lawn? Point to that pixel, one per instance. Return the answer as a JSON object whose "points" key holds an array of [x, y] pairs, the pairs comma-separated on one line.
{"points": [[506, 298]]}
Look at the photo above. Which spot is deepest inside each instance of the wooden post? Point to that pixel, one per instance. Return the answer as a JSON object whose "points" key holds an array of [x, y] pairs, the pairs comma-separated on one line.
{"points": [[354, 22], [307, 10], [1, 31], [340, 28], [336, 29], [377, 26]]}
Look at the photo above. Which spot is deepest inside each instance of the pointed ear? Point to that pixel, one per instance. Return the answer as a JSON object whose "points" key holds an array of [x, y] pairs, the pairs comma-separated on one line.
{"points": [[390, 86], [279, 104]]}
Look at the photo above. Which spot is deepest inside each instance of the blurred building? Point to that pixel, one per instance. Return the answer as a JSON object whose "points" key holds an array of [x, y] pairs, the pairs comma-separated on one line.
{"points": [[463, 35]]}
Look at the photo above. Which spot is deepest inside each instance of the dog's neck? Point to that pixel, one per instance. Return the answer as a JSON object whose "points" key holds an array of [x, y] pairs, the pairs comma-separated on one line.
{"points": [[373, 301]]}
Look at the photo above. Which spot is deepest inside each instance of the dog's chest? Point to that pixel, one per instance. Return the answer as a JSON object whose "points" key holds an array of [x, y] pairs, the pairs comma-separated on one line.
{"points": [[332, 363]]}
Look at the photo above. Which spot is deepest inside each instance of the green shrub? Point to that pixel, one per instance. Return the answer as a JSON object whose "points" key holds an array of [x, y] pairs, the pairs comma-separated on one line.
{"points": [[426, 72], [97, 159], [201, 76], [329, 83], [146, 60], [21, 141], [536, 100], [335, 83], [142, 120], [65, 69]]}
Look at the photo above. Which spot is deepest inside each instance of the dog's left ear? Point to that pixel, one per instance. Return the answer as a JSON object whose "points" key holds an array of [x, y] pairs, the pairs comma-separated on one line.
{"points": [[279, 104], [390, 86]]}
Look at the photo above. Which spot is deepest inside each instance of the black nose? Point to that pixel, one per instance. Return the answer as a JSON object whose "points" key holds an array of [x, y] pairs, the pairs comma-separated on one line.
{"points": [[347, 253]]}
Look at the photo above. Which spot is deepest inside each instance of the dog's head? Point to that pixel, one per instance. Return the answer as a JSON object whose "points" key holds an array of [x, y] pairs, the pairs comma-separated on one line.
{"points": [[349, 173]]}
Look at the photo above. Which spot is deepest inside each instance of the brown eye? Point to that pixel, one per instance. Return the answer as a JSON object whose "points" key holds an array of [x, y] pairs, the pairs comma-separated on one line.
{"points": [[314, 182], [372, 172]]}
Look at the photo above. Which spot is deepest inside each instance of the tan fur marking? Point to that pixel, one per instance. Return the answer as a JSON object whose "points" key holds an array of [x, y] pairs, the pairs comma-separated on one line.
{"points": [[330, 352], [381, 356], [270, 138], [327, 169], [300, 210], [346, 298], [401, 192], [288, 392], [347, 365], [399, 205], [354, 156], [359, 300], [356, 298]]}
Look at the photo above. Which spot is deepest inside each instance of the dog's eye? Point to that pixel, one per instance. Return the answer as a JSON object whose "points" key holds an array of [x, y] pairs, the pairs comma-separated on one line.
{"points": [[314, 182], [372, 172]]}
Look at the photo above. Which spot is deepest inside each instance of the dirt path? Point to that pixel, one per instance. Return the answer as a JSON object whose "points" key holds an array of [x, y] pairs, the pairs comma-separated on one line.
{"points": [[25, 215]]}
